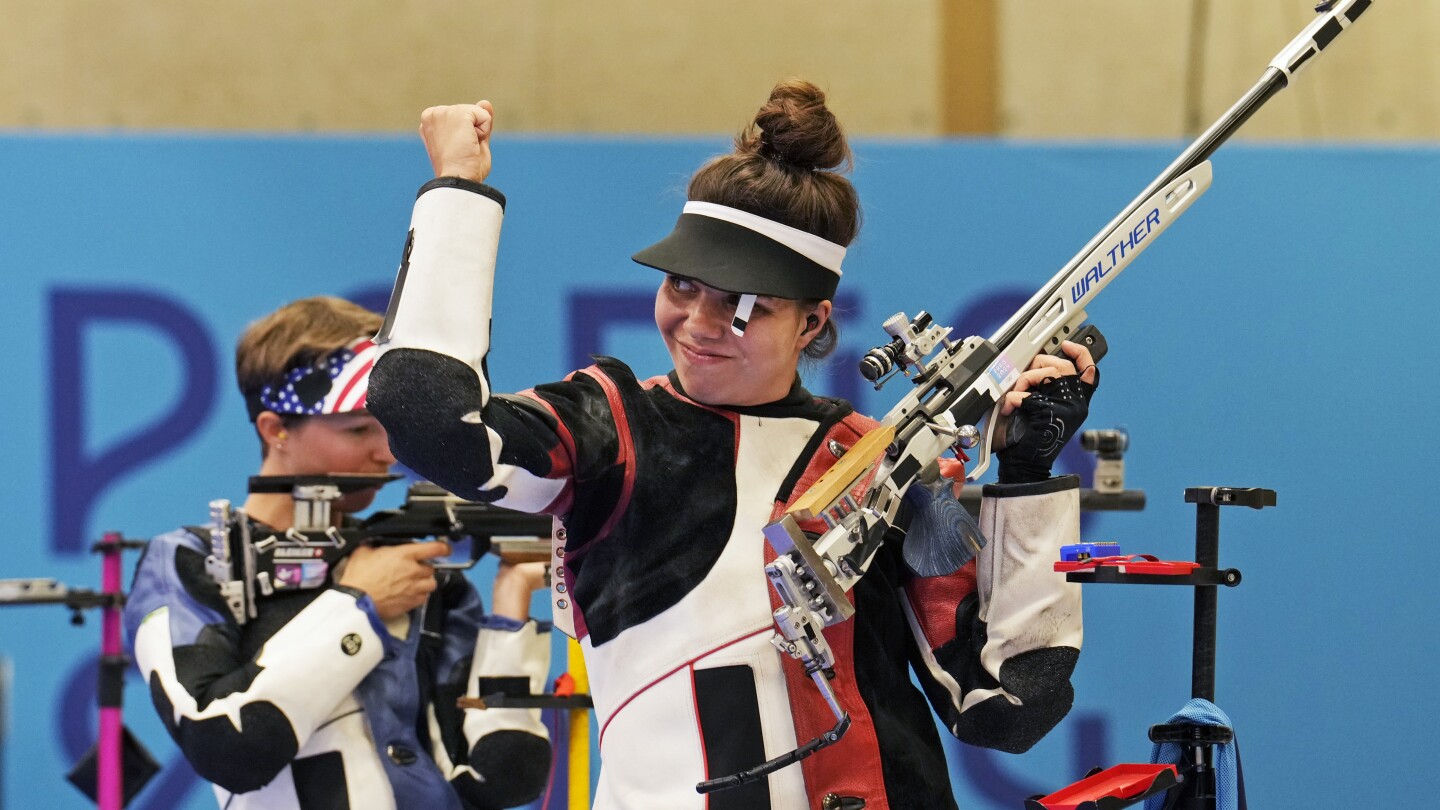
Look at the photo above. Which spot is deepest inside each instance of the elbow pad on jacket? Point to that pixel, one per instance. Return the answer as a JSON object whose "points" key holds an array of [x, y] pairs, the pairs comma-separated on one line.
{"points": [[1030, 615]]}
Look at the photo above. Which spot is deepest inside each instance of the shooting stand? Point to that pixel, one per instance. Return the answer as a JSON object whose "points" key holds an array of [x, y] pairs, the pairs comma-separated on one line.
{"points": [[115, 769], [1192, 785]]}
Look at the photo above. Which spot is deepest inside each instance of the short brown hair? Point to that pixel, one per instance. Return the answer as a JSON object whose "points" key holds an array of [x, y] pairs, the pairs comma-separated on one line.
{"points": [[300, 332]]}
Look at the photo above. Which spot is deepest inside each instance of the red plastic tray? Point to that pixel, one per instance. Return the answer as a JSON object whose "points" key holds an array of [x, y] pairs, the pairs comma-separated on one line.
{"points": [[1117, 782], [1131, 564]]}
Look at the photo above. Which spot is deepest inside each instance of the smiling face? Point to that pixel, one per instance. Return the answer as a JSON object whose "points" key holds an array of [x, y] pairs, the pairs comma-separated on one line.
{"points": [[351, 442], [718, 367]]}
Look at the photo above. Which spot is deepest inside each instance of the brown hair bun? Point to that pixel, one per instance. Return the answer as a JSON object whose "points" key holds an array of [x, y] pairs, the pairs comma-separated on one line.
{"points": [[779, 169], [796, 129]]}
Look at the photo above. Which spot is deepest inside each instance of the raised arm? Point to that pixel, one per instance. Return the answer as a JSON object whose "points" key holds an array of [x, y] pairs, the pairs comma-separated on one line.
{"points": [[429, 387]]}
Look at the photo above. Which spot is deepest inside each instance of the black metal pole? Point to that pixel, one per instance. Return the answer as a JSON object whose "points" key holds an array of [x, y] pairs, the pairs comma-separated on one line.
{"points": [[1207, 554], [1199, 794]]}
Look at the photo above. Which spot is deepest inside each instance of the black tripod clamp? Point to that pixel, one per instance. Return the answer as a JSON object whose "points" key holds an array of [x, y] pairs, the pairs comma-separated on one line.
{"points": [[1253, 497]]}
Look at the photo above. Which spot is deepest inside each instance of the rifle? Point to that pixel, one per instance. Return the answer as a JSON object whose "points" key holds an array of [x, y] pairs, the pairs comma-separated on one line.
{"points": [[958, 393], [302, 557]]}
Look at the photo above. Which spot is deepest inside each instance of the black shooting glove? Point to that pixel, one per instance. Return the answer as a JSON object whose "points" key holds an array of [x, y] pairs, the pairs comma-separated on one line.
{"points": [[1041, 425]]}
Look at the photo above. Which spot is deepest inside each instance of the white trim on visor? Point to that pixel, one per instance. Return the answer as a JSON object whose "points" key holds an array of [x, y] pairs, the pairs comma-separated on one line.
{"points": [[823, 252]]}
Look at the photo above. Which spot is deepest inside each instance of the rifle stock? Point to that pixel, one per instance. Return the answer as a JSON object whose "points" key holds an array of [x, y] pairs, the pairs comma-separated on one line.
{"points": [[840, 478]]}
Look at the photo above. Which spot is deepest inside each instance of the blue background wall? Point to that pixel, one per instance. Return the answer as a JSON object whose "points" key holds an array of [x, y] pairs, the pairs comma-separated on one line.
{"points": [[1276, 337]]}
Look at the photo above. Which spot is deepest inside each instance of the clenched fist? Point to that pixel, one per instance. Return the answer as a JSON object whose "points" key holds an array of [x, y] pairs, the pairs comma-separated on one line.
{"points": [[457, 139]]}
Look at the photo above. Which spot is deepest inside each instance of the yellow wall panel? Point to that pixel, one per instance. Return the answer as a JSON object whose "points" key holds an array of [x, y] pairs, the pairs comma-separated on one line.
{"points": [[639, 66], [1021, 68], [1100, 68], [1121, 68], [624, 66]]}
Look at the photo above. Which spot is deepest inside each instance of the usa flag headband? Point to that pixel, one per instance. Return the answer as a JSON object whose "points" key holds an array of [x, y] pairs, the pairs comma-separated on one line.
{"points": [[337, 383]]}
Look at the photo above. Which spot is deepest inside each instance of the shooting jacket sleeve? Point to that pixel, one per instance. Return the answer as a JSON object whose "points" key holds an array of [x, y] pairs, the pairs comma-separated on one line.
{"points": [[996, 642], [495, 758], [241, 719], [429, 386]]}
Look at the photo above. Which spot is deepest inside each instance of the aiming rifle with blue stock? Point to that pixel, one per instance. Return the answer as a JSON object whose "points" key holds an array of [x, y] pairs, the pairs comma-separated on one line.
{"points": [[959, 390]]}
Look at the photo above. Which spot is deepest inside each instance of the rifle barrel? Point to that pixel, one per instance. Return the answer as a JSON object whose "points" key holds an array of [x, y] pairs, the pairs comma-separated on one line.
{"points": [[1314, 38]]}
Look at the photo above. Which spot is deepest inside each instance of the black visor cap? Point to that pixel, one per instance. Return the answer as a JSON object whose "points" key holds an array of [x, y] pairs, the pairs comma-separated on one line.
{"points": [[738, 260]]}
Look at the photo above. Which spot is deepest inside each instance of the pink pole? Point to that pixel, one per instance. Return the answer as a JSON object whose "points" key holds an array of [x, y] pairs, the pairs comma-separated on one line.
{"points": [[109, 787]]}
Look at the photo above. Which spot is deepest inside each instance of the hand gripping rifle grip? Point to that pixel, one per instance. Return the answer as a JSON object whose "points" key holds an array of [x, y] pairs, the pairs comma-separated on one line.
{"points": [[1088, 336]]}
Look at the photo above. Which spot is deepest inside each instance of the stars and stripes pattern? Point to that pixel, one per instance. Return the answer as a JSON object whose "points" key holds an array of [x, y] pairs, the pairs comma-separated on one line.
{"points": [[338, 383]]}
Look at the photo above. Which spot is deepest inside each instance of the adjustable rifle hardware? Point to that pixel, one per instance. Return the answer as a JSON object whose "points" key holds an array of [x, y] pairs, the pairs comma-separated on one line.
{"points": [[303, 556]]}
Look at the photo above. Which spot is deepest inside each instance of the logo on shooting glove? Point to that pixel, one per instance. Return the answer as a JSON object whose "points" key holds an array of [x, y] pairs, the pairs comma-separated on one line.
{"points": [[350, 644]]}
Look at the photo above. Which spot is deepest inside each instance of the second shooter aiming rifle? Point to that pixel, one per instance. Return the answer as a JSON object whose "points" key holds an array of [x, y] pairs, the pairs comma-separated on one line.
{"points": [[959, 387], [302, 557]]}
